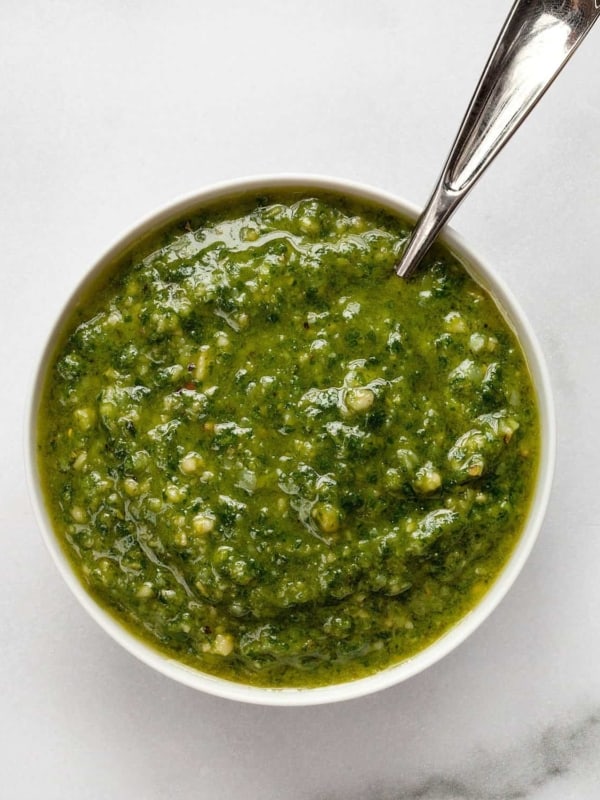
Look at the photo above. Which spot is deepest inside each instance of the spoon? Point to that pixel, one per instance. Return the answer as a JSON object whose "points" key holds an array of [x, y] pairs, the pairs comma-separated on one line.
{"points": [[537, 40]]}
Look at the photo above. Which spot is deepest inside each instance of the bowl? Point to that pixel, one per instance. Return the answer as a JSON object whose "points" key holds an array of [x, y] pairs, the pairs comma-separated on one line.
{"points": [[512, 313]]}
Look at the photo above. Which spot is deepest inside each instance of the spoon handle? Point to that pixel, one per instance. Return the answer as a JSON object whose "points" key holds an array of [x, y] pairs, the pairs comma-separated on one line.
{"points": [[535, 43]]}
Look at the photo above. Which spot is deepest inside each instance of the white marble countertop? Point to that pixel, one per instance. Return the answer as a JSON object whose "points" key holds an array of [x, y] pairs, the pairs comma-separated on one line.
{"points": [[109, 110]]}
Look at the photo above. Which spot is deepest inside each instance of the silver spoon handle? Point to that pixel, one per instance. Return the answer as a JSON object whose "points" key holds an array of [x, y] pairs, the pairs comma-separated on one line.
{"points": [[535, 43]]}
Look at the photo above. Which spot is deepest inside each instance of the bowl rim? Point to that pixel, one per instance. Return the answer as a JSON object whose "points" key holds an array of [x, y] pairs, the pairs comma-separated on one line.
{"points": [[457, 633]]}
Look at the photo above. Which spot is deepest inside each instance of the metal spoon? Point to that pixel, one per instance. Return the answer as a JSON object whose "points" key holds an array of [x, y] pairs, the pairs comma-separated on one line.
{"points": [[537, 40]]}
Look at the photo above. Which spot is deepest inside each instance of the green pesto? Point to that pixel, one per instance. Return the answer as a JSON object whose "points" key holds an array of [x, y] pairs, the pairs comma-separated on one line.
{"points": [[274, 460]]}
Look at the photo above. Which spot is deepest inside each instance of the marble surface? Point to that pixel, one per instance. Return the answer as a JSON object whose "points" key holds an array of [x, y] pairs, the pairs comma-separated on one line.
{"points": [[110, 109]]}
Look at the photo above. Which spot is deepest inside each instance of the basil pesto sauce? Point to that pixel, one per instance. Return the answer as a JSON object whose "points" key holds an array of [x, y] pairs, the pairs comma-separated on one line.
{"points": [[271, 458]]}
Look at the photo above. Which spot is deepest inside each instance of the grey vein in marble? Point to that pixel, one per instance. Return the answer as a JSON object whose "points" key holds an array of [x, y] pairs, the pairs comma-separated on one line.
{"points": [[518, 773]]}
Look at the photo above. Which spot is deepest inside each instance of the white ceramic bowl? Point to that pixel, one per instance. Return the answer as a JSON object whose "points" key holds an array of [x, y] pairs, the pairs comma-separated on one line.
{"points": [[455, 635]]}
